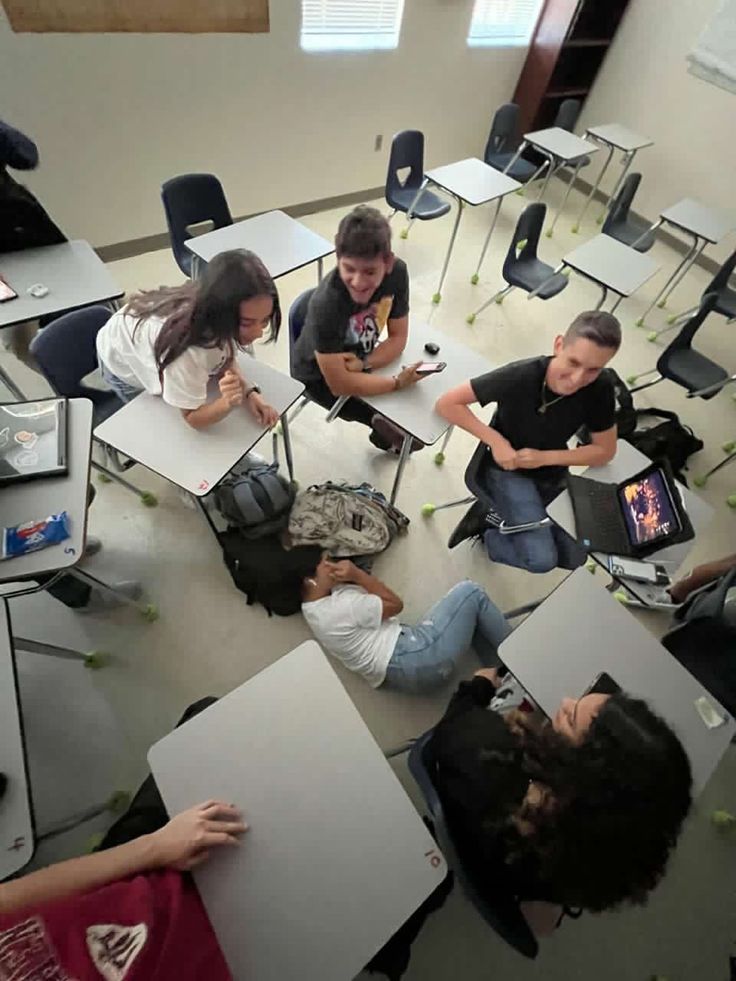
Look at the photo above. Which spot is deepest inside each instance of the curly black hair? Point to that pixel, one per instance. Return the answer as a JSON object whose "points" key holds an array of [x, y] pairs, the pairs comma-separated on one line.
{"points": [[615, 805]]}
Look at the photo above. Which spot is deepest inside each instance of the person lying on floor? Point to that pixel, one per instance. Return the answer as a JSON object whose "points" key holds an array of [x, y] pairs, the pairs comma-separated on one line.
{"points": [[540, 404], [125, 911], [354, 616], [580, 811]]}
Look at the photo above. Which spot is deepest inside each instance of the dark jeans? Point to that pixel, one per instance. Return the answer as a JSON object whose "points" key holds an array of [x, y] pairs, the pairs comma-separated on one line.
{"points": [[354, 410], [147, 811], [519, 499]]}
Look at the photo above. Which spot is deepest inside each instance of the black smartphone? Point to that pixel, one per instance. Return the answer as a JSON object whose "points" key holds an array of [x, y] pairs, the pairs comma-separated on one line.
{"points": [[603, 685], [6, 291]]}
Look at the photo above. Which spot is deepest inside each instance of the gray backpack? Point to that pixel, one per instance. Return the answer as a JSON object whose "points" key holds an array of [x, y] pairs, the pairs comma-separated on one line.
{"points": [[344, 519], [255, 498]]}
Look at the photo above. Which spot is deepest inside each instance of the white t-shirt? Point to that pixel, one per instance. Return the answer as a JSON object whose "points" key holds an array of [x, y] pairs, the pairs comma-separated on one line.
{"points": [[349, 625], [132, 360]]}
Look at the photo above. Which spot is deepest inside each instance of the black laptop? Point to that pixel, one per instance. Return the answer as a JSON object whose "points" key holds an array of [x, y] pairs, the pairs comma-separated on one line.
{"points": [[33, 440], [636, 517]]}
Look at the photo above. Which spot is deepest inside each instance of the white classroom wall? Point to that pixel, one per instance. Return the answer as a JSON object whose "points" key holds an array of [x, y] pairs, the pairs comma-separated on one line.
{"points": [[115, 115], [644, 83]]}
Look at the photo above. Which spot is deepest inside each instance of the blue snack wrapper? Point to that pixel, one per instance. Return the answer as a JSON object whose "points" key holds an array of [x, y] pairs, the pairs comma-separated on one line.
{"points": [[33, 535]]}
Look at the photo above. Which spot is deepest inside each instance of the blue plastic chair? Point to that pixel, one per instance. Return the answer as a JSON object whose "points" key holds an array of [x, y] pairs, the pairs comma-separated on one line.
{"points": [[619, 224], [505, 917], [407, 150], [190, 200], [297, 316], [503, 142], [66, 352]]}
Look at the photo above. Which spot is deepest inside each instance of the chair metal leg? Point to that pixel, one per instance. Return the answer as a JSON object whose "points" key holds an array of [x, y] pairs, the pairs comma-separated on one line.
{"points": [[550, 231], [320, 269], [538, 289], [684, 264], [615, 305], [649, 231], [300, 407], [628, 159], [11, 386], [50, 650], [683, 273], [719, 466], [474, 277], [146, 497], [710, 389], [520, 611], [640, 388], [74, 820], [439, 457], [410, 216], [594, 188], [403, 457], [551, 171], [522, 146], [389, 754], [430, 509], [287, 446], [604, 295], [84, 576], [460, 205], [496, 298], [335, 410]]}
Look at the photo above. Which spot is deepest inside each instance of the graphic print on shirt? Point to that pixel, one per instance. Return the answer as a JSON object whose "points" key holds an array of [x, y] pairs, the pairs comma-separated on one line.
{"points": [[27, 954], [114, 948], [365, 326]]}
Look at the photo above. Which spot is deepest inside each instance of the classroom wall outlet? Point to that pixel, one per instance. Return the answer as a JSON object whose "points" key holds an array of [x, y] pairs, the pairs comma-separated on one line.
{"points": [[378, 143]]}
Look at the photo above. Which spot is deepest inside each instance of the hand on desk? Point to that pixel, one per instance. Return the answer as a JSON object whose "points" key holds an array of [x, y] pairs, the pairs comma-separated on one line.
{"points": [[232, 388], [185, 841], [264, 413]]}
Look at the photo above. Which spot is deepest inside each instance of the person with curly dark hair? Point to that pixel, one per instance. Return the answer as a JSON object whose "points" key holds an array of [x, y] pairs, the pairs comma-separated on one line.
{"points": [[580, 811]]}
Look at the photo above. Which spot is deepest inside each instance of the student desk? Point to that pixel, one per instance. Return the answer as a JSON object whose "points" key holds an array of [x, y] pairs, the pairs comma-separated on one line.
{"points": [[703, 226], [157, 435], [470, 182], [615, 137], [38, 499], [282, 243], [560, 149], [413, 409], [336, 857], [71, 272], [626, 463], [579, 631], [16, 817], [611, 265]]}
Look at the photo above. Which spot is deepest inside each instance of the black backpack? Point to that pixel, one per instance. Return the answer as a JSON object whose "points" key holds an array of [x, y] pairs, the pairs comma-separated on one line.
{"points": [[255, 498], [667, 440], [265, 571]]}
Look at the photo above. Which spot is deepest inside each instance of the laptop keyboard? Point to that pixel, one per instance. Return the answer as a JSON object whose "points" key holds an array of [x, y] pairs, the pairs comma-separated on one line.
{"points": [[598, 510]]}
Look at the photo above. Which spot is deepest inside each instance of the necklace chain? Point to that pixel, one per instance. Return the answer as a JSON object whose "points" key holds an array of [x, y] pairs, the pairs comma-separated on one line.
{"points": [[545, 404]]}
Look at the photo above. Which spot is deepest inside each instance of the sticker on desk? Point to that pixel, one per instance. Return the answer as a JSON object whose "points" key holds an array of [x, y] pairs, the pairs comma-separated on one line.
{"points": [[709, 714], [26, 438], [203, 485]]}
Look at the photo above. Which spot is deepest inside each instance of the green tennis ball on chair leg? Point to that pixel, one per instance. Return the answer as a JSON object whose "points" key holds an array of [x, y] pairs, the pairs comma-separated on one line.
{"points": [[700, 481], [404, 233], [652, 336], [436, 298], [428, 510], [470, 319], [729, 447], [639, 322], [731, 500], [474, 279]]}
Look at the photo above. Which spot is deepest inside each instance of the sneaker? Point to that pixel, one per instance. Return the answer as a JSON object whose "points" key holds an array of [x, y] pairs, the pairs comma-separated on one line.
{"points": [[474, 523], [101, 601], [388, 437]]}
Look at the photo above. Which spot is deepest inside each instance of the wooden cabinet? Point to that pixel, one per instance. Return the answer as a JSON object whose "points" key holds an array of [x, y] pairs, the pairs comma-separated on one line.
{"points": [[567, 49]]}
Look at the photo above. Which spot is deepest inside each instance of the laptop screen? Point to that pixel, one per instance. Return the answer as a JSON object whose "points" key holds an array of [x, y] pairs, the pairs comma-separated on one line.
{"points": [[648, 509]]}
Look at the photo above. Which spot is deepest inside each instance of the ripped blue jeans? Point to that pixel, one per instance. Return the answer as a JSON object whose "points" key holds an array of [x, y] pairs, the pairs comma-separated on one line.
{"points": [[425, 655]]}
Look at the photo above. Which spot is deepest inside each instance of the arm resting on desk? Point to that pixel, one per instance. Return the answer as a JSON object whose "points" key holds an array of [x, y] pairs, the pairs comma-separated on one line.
{"points": [[208, 414], [392, 348], [181, 844], [341, 381]]}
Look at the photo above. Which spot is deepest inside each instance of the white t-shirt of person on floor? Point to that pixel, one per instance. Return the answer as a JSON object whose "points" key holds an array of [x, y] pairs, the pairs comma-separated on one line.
{"points": [[349, 624], [128, 354]]}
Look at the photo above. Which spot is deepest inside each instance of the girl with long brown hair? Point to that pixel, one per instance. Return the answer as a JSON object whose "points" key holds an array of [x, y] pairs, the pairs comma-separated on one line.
{"points": [[172, 340]]}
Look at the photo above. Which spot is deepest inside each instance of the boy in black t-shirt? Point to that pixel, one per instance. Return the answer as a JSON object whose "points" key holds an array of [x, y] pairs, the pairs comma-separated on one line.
{"points": [[339, 345], [540, 404]]}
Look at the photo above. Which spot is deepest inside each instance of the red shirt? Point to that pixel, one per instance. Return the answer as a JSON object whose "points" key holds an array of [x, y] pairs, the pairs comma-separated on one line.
{"points": [[149, 928]]}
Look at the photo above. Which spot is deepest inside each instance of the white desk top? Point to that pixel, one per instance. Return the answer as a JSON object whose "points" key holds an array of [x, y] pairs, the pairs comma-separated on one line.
{"points": [[709, 223], [72, 273], [282, 243], [560, 143], [157, 435], [628, 461], [612, 264], [16, 819], [336, 857], [40, 498], [473, 181], [619, 136], [581, 630], [413, 409]]}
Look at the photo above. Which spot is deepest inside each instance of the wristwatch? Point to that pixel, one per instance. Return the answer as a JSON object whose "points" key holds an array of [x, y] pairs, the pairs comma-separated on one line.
{"points": [[252, 389]]}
